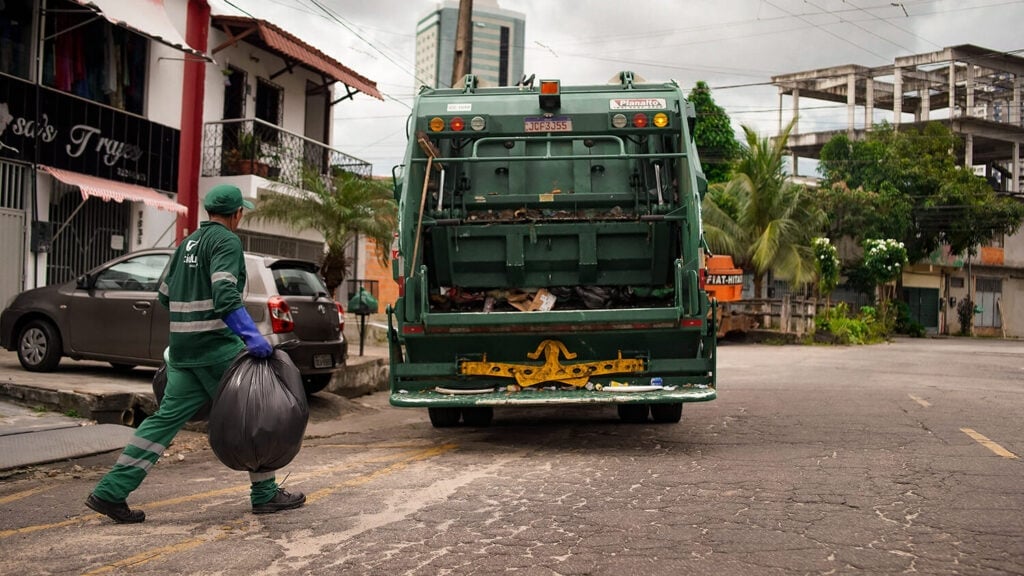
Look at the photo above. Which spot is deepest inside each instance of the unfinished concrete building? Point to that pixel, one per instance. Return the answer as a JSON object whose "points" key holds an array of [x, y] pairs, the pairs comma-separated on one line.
{"points": [[974, 91]]}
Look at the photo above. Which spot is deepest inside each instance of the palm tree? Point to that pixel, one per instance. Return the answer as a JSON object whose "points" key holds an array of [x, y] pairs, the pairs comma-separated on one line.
{"points": [[764, 221], [339, 208]]}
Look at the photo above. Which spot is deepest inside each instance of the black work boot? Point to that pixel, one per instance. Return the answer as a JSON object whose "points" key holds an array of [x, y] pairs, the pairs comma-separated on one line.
{"points": [[117, 511], [283, 500]]}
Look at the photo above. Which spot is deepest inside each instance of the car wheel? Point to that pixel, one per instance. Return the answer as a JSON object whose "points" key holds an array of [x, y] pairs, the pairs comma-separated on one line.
{"points": [[634, 413], [39, 346], [444, 417], [316, 382], [667, 413], [122, 367], [478, 417]]}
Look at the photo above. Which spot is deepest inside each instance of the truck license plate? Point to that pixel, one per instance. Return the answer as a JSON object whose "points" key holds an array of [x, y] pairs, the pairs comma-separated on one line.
{"points": [[553, 124], [323, 361]]}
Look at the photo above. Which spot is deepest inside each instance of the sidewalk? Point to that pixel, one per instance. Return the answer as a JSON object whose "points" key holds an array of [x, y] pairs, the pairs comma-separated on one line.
{"points": [[87, 407]]}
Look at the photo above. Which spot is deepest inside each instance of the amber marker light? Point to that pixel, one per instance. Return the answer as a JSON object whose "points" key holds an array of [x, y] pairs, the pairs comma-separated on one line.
{"points": [[436, 124], [661, 120]]}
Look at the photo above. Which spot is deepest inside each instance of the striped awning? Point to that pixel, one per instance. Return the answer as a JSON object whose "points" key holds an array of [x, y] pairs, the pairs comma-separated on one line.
{"points": [[107, 190]]}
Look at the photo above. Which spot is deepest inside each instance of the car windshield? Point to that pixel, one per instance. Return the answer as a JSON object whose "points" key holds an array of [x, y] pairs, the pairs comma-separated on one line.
{"points": [[298, 282]]}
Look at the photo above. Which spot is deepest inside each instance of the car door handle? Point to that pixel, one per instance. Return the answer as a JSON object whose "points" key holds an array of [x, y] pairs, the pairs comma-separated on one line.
{"points": [[142, 305]]}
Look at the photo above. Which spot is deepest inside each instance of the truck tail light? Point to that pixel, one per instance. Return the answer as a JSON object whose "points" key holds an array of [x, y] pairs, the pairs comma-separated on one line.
{"points": [[280, 315], [341, 317], [640, 120], [457, 124], [702, 278]]}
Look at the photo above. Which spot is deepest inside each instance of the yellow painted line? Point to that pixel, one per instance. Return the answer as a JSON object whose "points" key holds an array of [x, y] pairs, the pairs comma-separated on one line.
{"points": [[920, 401], [360, 480], [23, 494], [158, 553], [984, 441], [226, 531], [405, 455]]}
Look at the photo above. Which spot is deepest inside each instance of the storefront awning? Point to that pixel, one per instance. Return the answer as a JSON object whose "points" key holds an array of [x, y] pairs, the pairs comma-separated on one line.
{"points": [[274, 39], [147, 17], [116, 191]]}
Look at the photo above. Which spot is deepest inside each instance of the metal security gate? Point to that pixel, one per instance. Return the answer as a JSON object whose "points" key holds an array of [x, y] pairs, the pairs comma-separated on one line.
{"points": [[12, 253], [13, 185], [85, 235]]}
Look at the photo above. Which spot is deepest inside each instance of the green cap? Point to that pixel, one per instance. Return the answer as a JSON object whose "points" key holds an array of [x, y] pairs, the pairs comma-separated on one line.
{"points": [[225, 199]]}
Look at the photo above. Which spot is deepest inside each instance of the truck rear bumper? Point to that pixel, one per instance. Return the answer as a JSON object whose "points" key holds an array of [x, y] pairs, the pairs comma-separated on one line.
{"points": [[544, 397]]}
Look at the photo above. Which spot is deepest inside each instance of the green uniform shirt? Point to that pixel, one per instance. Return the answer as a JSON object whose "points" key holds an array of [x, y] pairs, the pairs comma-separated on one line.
{"points": [[203, 284]]}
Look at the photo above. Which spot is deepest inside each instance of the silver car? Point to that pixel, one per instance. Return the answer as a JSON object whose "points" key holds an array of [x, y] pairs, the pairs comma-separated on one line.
{"points": [[112, 314]]}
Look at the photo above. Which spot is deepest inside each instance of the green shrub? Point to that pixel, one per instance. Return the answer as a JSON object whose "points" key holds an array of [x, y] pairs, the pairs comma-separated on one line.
{"points": [[865, 328]]}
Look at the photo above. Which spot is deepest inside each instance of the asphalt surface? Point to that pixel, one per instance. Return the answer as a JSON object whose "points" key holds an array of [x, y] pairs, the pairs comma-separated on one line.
{"points": [[86, 408]]}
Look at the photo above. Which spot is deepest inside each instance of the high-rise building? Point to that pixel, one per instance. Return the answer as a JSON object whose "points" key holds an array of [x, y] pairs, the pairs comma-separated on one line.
{"points": [[497, 53]]}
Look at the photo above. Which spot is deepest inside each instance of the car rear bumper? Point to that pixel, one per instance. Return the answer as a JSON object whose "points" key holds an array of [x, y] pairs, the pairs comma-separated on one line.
{"points": [[318, 357], [7, 336]]}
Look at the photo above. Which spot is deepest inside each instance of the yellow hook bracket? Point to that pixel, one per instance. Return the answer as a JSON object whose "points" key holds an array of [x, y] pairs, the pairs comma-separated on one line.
{"points": [[552, 370]]}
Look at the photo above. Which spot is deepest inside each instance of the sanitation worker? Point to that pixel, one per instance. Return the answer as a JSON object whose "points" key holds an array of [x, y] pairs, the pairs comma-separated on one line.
{"points": [[209, 327]]}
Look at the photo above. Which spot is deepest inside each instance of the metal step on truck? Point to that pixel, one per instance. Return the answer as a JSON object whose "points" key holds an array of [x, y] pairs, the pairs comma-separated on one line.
{"points": [[550, 252]]}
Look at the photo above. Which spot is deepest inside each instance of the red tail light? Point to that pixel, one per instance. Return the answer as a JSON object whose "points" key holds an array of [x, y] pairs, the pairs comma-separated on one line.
{"points": [[280, 315], [341, 317], [401, 285], [702, 277]]}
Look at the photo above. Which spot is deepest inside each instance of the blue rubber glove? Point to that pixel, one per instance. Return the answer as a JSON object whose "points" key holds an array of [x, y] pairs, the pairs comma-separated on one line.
{"points": [[241, 323]]}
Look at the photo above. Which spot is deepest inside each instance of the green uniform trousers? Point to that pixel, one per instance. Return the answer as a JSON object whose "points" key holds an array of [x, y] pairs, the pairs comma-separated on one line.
{"points": [[187, 390]]}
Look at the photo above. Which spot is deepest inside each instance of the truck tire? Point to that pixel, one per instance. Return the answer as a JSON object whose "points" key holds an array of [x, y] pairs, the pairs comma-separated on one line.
{"points": [[39, 346], [478, 417], [444, 417], [667, 413], [634, 413]]}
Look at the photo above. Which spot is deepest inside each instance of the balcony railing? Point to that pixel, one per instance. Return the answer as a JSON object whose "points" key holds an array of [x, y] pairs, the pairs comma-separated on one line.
{"points": [[252, 146]]}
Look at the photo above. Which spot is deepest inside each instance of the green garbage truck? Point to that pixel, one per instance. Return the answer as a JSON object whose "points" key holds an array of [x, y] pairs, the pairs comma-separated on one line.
{"points": [[550, 252]]}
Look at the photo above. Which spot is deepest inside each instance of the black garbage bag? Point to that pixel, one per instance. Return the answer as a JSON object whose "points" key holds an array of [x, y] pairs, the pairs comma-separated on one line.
{"points": [[260, 413], [160, 384]]}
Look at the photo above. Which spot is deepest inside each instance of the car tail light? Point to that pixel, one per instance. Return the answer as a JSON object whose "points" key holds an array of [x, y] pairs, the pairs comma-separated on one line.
{"points": [[341, 317], [280, 315]]}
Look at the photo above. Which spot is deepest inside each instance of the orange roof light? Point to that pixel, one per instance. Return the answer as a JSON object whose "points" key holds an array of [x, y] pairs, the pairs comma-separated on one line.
{"points": [[550, 94]]}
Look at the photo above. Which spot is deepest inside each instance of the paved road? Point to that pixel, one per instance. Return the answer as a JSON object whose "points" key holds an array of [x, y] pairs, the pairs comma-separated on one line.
{"points": [[814, 460]]}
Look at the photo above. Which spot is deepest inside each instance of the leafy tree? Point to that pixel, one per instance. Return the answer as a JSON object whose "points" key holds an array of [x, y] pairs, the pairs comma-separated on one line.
{"points": [[714, 136], [907, 185], [338, 207], [827, 258], [764, 221]]}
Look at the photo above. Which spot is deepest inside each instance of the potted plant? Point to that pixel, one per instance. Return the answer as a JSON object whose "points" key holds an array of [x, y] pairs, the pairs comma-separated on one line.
{"points": [[244, 158]]}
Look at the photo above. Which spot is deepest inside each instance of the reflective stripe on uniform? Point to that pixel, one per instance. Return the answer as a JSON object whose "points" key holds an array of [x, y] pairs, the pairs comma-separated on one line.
{"points": [[198, 326], [141, 463], [197, 306], [218, 276], [148, 446]]}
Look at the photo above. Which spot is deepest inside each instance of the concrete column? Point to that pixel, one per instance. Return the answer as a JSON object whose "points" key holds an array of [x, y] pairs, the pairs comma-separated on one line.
{"points": [[1015, 167], [851, 104], [779, 130], [968, 150], [926, 103], [796, 111], [897, 96], [869, 103], [952, 89], [1015, 103], [970, 91]]}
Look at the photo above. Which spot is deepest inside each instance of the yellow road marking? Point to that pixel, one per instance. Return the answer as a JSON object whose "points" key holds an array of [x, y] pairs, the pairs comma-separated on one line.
{"points": [[920, 401], [226, 531], [409, 455], [157, 553], [23, 494], [984, 441]]}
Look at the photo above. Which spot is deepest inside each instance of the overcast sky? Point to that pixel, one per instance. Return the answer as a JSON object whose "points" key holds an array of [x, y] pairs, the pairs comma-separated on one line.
{"points": [[733, 45]]}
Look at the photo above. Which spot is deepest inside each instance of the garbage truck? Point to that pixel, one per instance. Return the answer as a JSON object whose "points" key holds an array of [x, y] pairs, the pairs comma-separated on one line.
{"points": [[550, 252]]}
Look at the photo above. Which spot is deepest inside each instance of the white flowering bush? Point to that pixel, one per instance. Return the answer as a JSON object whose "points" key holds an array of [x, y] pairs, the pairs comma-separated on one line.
{"points": [[827, 259], [884, 259]]}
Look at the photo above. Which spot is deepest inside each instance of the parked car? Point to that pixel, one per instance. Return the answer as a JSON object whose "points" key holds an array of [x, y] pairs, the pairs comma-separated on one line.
{"points": [[112, 314]]}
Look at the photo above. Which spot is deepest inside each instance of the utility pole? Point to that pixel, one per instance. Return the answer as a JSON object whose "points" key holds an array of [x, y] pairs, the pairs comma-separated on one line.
{"points": [[463, 42]]}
